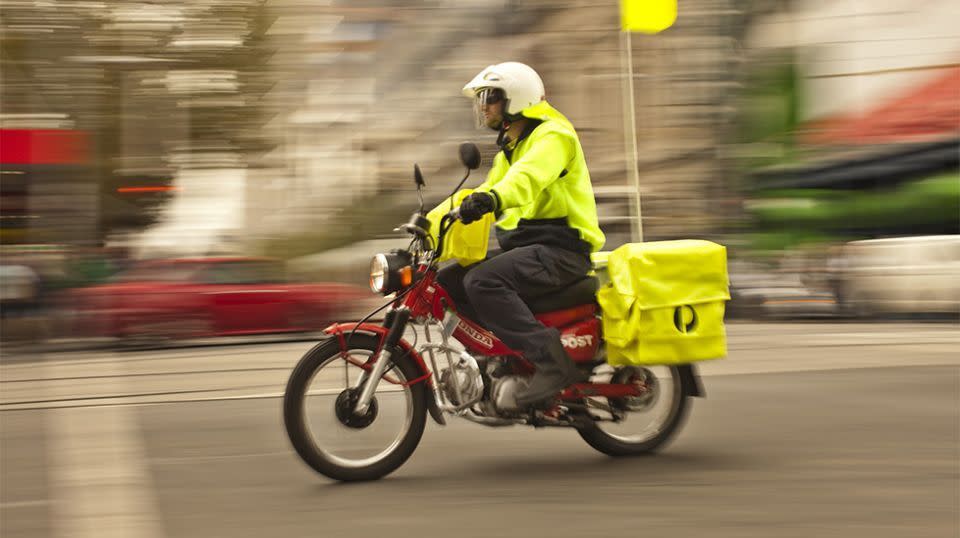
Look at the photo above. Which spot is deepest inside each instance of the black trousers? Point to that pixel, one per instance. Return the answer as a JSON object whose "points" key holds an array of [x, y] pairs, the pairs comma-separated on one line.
{"points": [[493, 292]]}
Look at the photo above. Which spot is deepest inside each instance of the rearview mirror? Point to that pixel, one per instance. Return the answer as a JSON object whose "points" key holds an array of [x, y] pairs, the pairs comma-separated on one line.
{"points": [[418, 176], [470, 155]]}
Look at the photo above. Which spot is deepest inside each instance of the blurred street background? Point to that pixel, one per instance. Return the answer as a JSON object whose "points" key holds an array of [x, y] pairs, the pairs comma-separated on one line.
{"points": [[191, 190], [272, 142]]}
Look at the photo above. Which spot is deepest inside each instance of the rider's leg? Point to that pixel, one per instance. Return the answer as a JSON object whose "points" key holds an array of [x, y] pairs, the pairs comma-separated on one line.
{"points": [[495, 288], [451, 278]]}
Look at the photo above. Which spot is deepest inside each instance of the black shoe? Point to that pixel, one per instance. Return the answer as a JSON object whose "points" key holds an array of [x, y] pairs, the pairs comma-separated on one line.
{"points": [[555, 372]]}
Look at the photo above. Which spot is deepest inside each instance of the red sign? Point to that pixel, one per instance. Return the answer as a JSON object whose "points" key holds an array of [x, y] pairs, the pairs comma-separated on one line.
{"points": [[43, 146]]}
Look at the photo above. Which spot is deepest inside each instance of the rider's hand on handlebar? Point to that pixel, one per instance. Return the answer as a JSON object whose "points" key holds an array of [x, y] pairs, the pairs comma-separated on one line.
{"points": [[475, 206]]}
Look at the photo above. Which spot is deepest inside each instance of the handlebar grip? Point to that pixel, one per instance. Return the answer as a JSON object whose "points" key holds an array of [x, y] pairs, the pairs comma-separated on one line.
{"points": [[454, 214]]}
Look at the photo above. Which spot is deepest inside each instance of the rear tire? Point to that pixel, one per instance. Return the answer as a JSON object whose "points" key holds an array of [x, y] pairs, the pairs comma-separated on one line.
{"points": [[299, 432], [615, 446]]}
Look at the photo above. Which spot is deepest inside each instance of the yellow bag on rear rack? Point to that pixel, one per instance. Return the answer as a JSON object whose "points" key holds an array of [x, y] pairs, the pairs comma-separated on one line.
{"points": [[466, 243], [663, 302]]}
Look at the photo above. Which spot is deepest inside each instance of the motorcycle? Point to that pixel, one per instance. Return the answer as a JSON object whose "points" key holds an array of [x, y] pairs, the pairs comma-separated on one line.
{"points": [[375, 386]]}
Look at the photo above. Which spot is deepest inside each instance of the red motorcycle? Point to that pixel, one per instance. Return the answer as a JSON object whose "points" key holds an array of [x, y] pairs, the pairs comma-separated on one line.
{"points": [[355, 406]]}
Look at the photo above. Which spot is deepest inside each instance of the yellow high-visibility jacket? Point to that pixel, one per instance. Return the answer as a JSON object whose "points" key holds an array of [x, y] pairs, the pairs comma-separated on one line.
{"points": [[543, 187]]}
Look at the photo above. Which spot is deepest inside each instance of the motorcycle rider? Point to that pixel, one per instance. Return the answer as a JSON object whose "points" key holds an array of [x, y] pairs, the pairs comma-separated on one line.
{"points": [[547, 227]]}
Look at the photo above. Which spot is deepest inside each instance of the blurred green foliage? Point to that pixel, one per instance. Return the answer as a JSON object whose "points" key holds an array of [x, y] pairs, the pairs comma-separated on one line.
{"points": [[916, 203], [769, 111]]}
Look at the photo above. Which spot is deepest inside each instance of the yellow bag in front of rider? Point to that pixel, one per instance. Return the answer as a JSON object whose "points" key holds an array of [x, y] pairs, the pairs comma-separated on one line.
{"points": [[664, 302], [466, 243]]}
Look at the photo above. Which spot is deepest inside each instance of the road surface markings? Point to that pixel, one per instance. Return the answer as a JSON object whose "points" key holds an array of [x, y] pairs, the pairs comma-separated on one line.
{"points": [[23, 504], [100, 481]]}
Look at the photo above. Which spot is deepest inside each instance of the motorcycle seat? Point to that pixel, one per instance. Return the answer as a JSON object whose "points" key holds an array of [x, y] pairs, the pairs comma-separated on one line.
{"points": [[581, 292]]}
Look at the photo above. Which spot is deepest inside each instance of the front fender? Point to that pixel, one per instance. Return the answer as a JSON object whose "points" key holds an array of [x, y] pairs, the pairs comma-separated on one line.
{"points": [[341, 331]]}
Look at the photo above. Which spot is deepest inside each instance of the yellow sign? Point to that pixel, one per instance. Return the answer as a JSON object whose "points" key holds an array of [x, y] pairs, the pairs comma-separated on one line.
{"points": [[647, 16]]}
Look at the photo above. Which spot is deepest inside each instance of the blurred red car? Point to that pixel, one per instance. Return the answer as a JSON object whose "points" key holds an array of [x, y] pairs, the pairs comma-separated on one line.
{"points": [[206, 297]]}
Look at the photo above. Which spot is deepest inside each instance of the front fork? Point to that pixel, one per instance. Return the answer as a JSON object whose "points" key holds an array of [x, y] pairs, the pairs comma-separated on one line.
{"points": [[396, 320]]}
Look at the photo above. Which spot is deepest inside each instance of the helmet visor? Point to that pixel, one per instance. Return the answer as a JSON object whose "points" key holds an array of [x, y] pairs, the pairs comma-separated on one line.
{"points": [[484, 98]]}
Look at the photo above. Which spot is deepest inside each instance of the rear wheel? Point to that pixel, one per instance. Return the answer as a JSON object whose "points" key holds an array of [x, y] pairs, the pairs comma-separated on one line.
{"points": [[650, 421], [318, 411]]}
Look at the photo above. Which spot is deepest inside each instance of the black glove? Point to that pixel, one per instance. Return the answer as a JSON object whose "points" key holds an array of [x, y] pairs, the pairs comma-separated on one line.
{"points": [[476, 205]]}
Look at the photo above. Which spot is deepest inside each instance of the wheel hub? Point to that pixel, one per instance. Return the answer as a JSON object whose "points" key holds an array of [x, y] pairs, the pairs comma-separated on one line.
{"points": [[644, 380], [346, 414]]}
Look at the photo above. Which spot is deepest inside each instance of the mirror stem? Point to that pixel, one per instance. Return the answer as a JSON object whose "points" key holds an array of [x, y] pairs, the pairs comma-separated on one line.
{"points": [[452, 194]]}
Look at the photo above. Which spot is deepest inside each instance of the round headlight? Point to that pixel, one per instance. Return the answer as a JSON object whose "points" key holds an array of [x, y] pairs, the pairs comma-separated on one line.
{"points": [[391, 272], [379, 273]]}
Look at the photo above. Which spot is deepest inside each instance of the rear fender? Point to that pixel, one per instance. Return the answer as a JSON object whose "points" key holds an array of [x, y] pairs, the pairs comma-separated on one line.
{"points": [[341, 331], [690, 380]]}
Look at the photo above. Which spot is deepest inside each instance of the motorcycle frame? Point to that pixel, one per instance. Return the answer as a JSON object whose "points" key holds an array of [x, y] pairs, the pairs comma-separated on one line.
{"points": [[428, 303]]}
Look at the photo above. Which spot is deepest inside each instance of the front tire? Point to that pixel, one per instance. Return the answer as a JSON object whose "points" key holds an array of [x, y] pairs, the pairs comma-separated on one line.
{"points": [[602, 437], [326, 460]]}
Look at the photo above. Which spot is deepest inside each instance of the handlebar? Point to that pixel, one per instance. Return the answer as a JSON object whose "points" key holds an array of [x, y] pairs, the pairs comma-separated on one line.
{"points": [[445, 223]]}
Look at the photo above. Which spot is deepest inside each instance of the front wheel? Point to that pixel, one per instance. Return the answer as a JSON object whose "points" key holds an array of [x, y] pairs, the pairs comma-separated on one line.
{"points": [[651, 420], [318, 412]]}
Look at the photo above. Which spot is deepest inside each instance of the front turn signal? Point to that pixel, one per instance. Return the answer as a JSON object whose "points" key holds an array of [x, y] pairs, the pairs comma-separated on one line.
{"points": [[406, 276]]}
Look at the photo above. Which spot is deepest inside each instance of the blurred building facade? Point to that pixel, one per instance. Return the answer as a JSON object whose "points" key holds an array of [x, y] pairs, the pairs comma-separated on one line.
{"points": [[857, 137], [155, 90], [366, 89], [227, 123]]}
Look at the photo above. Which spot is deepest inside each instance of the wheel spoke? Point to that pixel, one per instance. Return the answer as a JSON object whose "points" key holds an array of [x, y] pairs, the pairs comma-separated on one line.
{"points": [[321, 419], [344, 438], [649, 415]]}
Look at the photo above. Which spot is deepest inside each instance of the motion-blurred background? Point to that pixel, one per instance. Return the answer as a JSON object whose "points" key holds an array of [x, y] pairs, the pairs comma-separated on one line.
{"points": [[155, 151], [175, 172]]}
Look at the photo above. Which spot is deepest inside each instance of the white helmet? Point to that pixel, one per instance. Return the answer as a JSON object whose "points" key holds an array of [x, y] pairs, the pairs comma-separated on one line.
{"points": [[521, 85]]}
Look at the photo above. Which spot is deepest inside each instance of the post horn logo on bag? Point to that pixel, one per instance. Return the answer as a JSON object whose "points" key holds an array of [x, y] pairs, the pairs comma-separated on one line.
{"points": [[685, 319]]}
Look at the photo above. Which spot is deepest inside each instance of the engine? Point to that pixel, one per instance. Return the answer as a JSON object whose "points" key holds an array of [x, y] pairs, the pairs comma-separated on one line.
{"points": [[462, 382], [504, 382], [491, 384], [503, 392]]}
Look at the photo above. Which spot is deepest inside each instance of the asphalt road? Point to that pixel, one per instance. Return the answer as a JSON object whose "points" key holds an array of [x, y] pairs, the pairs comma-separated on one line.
{"points": [[808, 430]]}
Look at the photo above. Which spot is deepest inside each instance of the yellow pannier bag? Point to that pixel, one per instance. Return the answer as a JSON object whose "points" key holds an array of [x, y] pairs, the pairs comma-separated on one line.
{"points": [[466, 243], [663, 302]]}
